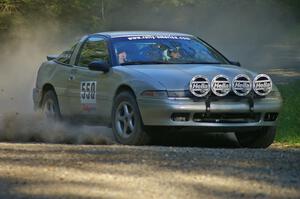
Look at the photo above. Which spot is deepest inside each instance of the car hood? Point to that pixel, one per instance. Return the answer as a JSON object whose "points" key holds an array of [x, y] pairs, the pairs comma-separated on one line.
{"points": [[178, 76]]}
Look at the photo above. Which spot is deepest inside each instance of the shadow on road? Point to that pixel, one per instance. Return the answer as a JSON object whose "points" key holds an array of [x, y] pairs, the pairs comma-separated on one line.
{"points": [[192, 139], [64, 171]]}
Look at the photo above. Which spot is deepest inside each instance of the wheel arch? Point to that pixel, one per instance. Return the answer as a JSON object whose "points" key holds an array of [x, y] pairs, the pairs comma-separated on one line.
{"points": [[140, 139], [46, 87], [124, 87]]}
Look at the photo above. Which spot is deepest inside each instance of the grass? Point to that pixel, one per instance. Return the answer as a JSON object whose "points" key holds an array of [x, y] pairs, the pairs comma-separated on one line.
{"points": [[288, 130]]}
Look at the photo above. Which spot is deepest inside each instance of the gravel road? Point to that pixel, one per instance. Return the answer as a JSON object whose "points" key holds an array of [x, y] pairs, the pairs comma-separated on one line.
{"points": [[113, 171]]}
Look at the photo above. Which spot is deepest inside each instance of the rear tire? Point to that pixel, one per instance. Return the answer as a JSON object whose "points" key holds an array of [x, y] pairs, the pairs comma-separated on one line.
{"points": [[127, 123], [50, 107], [257, 139]]}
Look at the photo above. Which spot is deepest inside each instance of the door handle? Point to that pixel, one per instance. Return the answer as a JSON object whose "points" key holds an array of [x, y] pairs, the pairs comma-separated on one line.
{"points": [[71, 77], [73, 74]]}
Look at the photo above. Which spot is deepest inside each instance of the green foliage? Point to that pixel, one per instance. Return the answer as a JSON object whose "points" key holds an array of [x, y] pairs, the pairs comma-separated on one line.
{"points": [[96, 15], [289, 119], [78, 15], [175, 3]]}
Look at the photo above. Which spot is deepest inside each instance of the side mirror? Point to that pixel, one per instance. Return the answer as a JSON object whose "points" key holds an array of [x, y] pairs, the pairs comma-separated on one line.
{"points": [[236, 63], [99, 66], [51, 57]]}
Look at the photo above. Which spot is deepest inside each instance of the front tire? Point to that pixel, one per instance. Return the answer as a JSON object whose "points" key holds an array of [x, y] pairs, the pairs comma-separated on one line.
{"points": [[50, 107], [127, 123], [257, 139]]}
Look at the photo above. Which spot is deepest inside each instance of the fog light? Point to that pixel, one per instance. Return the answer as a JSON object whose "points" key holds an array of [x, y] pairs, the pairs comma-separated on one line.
{"points": [[270, 116], [180, 117]]}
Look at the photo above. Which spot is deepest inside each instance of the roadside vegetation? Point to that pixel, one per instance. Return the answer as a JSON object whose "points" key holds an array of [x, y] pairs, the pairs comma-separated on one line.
{"points": [[78, 17], [289, 120]]}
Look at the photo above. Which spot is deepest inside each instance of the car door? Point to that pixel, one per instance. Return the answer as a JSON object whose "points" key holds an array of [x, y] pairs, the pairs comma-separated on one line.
{"points": [[86, 85], [61, 79]]}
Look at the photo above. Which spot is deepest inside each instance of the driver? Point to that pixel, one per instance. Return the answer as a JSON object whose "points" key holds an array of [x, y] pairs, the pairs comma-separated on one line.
{"points": [[172, 54], [122, 56]]}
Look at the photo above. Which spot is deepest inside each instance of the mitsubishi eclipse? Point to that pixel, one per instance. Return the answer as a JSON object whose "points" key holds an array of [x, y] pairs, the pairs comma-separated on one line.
{"points": [[134, 81]]}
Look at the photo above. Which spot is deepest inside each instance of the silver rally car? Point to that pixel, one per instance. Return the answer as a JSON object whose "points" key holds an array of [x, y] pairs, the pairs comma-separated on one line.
{"points": [[139, 81]]}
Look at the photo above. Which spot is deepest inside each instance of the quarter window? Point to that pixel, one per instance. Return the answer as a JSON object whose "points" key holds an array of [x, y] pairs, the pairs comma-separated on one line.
{"points": [[94, 49], [65, 57]]}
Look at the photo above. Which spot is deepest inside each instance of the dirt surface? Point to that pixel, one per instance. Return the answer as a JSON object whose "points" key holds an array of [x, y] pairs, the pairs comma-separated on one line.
{"points": [[82, 171]]}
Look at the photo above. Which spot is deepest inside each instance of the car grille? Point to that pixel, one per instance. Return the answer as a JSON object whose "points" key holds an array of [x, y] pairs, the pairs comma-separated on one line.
{"points": [[227, 117], [213, 97]]}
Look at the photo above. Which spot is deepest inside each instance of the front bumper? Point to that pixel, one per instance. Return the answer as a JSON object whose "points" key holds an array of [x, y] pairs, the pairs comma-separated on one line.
{"points": [[159, 112]]}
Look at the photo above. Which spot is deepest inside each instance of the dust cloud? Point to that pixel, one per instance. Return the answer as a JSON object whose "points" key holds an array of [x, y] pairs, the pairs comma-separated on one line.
{"points": [[36, 128], [259, 34], [20, 60]]}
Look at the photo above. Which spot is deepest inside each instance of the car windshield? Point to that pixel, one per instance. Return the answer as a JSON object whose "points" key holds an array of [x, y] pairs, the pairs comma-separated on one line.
{"points": [[164, 50]]}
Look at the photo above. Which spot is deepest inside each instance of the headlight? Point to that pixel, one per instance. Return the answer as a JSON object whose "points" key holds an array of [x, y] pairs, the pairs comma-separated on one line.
{"points": [[241, 85], [220, 85], [166, 94], [262, 85], [154, 94], [199, 86], [273, 94]]}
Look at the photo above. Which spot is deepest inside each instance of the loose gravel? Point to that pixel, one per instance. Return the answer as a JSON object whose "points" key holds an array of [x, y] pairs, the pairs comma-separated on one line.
{"points": [[82, 171]]}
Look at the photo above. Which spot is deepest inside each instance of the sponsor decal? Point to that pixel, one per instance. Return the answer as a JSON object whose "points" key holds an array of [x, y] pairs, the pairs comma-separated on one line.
{"points": [[262, 84], [88, 107], [158, 37], [220, 85], [88, 92], [199, 86], [241, 85]]}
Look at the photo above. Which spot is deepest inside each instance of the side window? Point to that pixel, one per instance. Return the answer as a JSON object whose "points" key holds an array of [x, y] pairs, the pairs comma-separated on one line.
{"points": [[94, 49], [65, 57]]}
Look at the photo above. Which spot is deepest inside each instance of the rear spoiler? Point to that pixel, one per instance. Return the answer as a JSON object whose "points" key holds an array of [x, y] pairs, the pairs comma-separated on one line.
{"points": [[51, 57]]}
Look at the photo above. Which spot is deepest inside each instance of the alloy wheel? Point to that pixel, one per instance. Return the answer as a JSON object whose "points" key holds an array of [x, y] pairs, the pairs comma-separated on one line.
{"points": [[125, 120], [49, 109]]}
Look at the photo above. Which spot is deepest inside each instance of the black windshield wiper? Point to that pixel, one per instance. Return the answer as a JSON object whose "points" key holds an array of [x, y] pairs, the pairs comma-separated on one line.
{"points": [[194, 62], [143, 62], [165, 62]]}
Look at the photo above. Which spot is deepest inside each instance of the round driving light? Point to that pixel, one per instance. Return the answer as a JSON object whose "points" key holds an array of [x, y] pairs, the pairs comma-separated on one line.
{"points": [[262, 84], [199, 86], [220, 85], [241, 85]]}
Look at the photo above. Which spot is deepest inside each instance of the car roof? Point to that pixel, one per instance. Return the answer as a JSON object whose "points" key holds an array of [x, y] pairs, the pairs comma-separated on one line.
{"points": [[116, 34]]}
